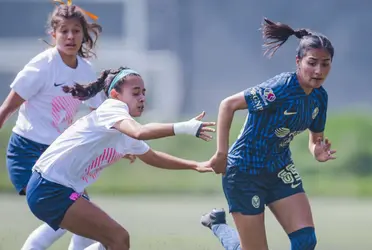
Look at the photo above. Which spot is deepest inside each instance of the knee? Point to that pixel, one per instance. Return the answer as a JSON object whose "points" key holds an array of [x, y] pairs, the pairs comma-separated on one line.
{"points": [[120, 239], [303, 239]]}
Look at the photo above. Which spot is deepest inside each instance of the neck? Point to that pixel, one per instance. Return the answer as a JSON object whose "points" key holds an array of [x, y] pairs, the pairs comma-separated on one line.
{"points": [[69, 60], [303, 84]]}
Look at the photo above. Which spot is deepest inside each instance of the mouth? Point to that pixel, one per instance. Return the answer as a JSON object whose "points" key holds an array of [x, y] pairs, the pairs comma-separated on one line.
{"points": [[70, 45], [141, 108], [317, 79]]}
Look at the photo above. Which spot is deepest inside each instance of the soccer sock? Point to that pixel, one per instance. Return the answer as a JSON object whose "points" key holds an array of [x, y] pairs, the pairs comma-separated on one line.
{"points": [[95, 246], [42, 238], [303, 239], [227, 235], [79, 242]]}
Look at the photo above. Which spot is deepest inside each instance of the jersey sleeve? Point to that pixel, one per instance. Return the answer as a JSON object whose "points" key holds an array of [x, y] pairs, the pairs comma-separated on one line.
{"points": [[111, 112], [139, 147], [320, 115], [30, 79], [265, 95]]}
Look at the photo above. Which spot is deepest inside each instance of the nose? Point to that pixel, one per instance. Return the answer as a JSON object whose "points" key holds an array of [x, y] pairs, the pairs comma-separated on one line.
{"points": [[70, 35], [318, 69]]}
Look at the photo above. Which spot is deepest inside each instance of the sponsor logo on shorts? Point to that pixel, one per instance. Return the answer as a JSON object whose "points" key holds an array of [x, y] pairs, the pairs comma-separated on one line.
{"points": [[256, 201]]}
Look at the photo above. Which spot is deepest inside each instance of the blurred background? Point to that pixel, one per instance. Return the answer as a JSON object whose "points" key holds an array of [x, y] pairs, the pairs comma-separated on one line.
{"points": [[192, 54]]}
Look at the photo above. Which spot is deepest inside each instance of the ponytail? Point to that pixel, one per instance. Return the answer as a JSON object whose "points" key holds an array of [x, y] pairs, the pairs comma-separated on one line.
{"points": [[276, 34], [88, 91]]}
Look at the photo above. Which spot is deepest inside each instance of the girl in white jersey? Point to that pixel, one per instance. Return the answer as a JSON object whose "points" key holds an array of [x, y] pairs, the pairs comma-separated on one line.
{"points": [[45, 110], [76, 158]]}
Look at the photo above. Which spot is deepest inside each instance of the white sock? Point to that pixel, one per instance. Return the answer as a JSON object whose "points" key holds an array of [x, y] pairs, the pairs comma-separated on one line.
{"points": [[79, 242], [96, 246], [42, 238]]}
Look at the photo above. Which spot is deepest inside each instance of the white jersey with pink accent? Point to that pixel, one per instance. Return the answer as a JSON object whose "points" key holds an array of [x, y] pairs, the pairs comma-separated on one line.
{"points": [[77, 157], [47, 110]]}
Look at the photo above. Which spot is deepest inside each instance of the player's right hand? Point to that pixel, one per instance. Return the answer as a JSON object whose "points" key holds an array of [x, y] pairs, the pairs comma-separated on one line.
{"points": [[218, 163]]}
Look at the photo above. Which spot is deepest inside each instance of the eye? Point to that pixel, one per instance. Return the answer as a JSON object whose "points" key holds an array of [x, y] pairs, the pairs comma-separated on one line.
{"points": [[312, 63]]}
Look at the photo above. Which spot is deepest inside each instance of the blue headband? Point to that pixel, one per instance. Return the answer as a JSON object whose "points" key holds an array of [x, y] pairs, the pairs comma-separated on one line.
{"points": [[119, 76]]}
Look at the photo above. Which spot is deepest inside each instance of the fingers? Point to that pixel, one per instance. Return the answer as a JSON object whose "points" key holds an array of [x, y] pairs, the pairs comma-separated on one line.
{"points": [[206, 170], [208, 124], [332, 152], [131, 158], [207, 129], [199, 117], [205, 137], [327, 144]]}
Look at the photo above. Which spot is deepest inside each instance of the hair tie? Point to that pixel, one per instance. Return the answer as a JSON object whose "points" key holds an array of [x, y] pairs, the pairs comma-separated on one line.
{"points": [[69, 3]]}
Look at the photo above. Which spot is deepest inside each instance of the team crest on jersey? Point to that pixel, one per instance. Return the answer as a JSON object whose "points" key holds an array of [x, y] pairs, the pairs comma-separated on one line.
{"points": [[269, 95], [315, 113], [256, 201]]}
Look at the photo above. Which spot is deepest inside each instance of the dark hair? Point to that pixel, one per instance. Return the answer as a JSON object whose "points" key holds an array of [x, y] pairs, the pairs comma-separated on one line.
{"points": [[85, 92], [65, 11], [276, 34]]}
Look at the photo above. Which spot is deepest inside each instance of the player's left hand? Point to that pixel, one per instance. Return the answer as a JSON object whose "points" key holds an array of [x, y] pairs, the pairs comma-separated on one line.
{"points": [[323, 151], [204, 167], [131, 158]]}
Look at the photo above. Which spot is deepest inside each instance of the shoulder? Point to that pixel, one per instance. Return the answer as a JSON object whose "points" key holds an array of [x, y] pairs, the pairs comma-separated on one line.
{"points": [[112, 105], [43, 60], [86, 69], [279, 81], [85, 64], [277, 86]]}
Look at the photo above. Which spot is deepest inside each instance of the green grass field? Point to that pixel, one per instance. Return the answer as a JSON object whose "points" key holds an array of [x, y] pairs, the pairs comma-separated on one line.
{"points": [[172, 222]]}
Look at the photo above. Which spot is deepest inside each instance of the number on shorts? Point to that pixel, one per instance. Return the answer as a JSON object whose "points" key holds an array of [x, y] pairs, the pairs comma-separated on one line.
{"points": [[289, 174]]}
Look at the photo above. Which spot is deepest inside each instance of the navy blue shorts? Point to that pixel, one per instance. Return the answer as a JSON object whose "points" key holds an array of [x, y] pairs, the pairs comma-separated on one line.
{"points": [[49, 201], [21, 156], [248, 194]]}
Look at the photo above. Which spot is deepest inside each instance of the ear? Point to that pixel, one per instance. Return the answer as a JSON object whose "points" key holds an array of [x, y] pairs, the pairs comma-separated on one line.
{"points": [[53, 34], [298, 60], [114, 94]]}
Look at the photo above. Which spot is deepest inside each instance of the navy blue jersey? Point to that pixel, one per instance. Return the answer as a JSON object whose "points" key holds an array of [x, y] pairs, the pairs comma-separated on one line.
{"points": [[279, 109]]}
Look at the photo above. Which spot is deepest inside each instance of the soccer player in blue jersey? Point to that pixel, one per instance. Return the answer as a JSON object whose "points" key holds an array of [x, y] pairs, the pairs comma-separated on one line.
{"points": [[258, 168]]}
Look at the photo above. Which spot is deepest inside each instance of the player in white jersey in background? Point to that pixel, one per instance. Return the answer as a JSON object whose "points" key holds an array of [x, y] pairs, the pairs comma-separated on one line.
{"points": [[45, 111], [76, 158]]}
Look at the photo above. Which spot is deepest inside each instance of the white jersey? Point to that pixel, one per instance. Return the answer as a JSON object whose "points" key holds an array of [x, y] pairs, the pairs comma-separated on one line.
{"points": [[47, 110], [76, 158]]}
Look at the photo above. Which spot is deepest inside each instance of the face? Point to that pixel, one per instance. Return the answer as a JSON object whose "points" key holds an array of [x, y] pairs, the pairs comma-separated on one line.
{"points": [[133, 94], [69, 36], [313, 68]]}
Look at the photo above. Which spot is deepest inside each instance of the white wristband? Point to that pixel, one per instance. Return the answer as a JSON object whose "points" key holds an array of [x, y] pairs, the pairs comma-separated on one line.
{"points": [[191, 127]]}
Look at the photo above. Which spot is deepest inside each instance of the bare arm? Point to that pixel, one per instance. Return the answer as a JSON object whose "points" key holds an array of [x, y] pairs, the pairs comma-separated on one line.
{"points": [[150, 131], [225, 116], [166, 161], [10, 105], [313, 139], [144, 132]]}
